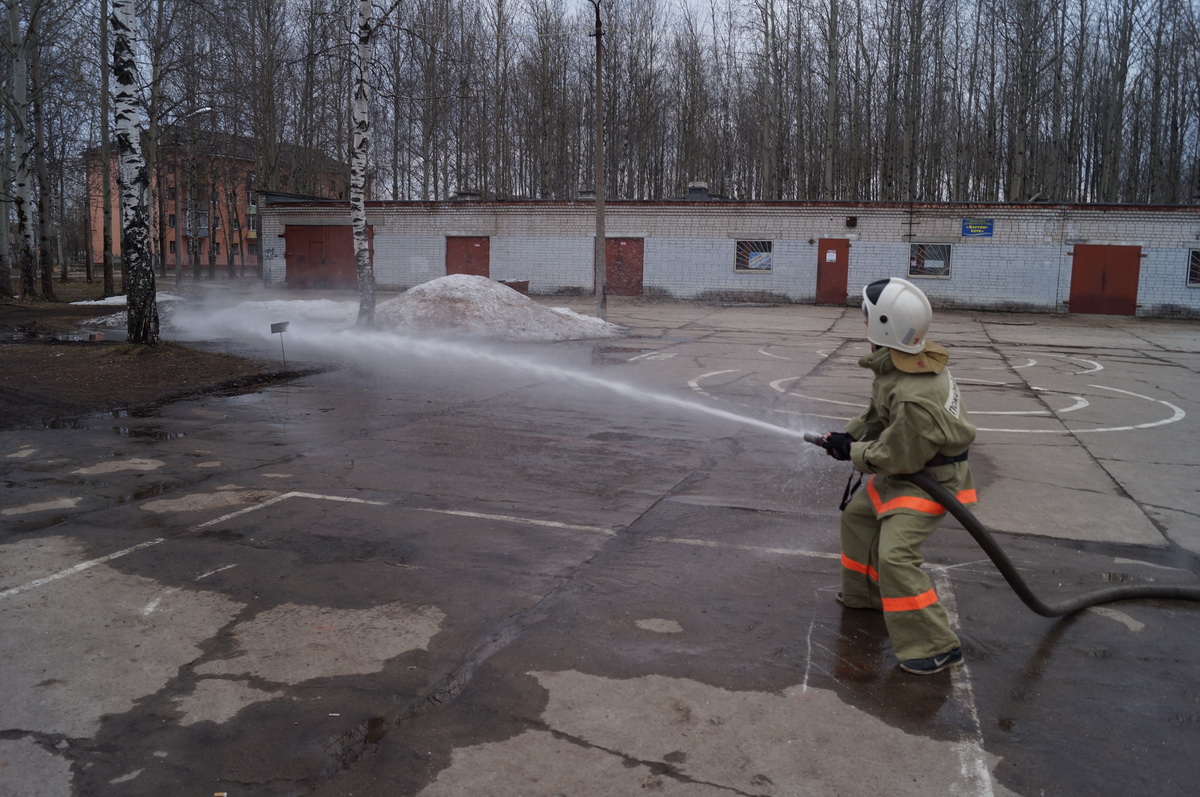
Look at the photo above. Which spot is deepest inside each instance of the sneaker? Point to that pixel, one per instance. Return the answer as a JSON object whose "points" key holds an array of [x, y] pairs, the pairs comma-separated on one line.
{"points": [[942, 661]]}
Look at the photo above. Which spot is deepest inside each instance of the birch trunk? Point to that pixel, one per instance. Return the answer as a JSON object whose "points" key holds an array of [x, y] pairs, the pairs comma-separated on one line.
{"points": [[22, 190], [5, 213], [45, 250], [105, 156], [142, 322], [358, 167]]}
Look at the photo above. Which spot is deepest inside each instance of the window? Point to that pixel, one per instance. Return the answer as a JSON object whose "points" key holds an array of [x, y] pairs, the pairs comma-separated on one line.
{"points": [[237, 225], [171, 247], [1194, 269], [253, 198], [216, 247], [252, 223], [252, 248], [171, 220], [216, 222], [929, 260], [752, 256], [235, 249]]}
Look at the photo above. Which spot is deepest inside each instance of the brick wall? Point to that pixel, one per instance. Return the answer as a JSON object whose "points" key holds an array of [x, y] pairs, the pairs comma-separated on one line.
{"points": [[689, 253]]}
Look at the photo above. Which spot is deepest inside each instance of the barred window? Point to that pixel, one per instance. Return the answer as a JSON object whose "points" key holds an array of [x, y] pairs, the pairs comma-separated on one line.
{"points": [[1194, 269], [753, 256], [929, 260]]}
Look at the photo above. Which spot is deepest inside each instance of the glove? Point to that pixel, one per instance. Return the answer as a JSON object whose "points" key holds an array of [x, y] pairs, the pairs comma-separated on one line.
{"points": [[837, 445]]}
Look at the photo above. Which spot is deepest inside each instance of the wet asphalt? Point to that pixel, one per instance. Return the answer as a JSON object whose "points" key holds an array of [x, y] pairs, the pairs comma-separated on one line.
{"points": [[428, 576]]}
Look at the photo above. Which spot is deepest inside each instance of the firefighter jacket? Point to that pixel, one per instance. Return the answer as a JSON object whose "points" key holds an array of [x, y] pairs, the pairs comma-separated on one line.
{"points": [[916, 414]]}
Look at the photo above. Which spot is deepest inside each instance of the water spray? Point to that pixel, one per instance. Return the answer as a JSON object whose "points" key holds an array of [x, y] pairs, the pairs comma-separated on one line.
{"points": [[937, 492]]}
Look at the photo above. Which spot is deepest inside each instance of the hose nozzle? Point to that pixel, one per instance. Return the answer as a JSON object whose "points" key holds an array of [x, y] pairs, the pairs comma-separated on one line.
{"points": [[815, 439]]}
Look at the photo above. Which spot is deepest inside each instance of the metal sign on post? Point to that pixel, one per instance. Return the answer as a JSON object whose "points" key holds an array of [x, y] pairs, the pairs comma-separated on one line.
{"points": [[279, 329]]}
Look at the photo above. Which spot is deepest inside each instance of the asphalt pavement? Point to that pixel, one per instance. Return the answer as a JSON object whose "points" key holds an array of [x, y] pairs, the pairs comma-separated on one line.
{"points": [[601, 568]]}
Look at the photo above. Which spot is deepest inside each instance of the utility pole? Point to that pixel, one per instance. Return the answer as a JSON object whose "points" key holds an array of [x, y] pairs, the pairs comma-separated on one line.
{"points": [[600, 254]]}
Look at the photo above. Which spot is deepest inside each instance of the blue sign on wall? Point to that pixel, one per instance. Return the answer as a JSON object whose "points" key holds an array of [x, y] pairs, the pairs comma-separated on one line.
{"points": [[977, 228]]}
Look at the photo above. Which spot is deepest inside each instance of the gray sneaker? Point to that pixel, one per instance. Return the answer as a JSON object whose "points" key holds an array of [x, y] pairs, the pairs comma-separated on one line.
{"points": [[942, 661]]}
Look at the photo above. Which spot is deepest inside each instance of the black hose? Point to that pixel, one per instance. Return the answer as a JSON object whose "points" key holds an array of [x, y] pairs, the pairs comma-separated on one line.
{"points": [[936, 491], [1007, 569]]}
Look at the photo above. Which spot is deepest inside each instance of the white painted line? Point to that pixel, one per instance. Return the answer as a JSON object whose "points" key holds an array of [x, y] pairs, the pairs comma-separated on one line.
{"points": [[1095, 365], [284, 497], [1122, 618], [79, 568], [213, 572], [751, 548], [694, 384], [1178, 415], [522, 520], [125, 552], [776, 356], [972, 758]]}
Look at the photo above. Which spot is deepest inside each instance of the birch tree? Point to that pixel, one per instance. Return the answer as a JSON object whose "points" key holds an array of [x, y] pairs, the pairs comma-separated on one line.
{"points": [[17, 100], [360, 149], [142, 324]]}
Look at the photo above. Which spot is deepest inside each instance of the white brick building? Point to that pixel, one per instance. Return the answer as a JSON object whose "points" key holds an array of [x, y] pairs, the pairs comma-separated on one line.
{"points": [[1036, 257]]}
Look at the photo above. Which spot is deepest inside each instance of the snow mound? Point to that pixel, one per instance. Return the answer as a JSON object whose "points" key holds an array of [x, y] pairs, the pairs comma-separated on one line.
{"points": [[477, 306], [166, 302]]}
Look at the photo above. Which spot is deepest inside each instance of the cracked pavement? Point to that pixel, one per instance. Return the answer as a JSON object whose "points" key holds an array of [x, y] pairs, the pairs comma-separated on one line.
{"points": [[415, 575]]}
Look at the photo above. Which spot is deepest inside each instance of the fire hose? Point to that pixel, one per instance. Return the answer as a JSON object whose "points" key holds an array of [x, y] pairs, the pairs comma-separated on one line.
{"points": [[983, 537]]}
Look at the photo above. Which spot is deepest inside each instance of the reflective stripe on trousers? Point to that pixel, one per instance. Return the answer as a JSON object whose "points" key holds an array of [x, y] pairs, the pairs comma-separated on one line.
{"points": [[913, 502]]}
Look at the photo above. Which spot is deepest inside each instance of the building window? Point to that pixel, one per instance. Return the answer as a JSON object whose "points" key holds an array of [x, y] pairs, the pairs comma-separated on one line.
{"points": [[252, 248], [171, 247], [1194, 269], [235, 249], [237, 225], [216, 223], [929, 260], [252, 223], [171, 220], [216, 247], [752, 256], [253, 198]]}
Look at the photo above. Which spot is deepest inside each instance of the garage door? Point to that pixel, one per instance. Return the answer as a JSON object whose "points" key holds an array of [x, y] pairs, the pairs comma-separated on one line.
{"points": [[1104, 279]]}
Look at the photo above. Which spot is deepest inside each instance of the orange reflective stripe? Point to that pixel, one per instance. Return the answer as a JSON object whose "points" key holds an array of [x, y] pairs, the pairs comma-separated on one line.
{"points": [[913, 502], [910, 604], [859, 567]]}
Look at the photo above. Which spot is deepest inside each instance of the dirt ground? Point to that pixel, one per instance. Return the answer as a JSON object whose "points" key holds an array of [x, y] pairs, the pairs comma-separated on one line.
{"points": [[49, 375]]}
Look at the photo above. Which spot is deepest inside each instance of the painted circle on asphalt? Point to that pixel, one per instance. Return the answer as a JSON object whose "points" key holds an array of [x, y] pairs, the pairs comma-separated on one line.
{"points": [[1063, 406]]}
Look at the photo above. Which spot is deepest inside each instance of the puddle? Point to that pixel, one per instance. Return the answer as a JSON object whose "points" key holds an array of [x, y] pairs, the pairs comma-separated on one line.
{"points": [[154, 488], [42, 336], [615, 355], [96, 422]]}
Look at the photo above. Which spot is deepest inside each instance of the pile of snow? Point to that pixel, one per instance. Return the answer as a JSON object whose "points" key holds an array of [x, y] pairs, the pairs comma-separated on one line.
{"points": [[167, 302], [477, 306]]}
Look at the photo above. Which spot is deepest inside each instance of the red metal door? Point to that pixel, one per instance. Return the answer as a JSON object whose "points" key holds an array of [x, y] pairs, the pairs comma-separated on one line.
{"points": [[623, 266], [321, 256], [468, 255], [833, 266], [1104, 279]]}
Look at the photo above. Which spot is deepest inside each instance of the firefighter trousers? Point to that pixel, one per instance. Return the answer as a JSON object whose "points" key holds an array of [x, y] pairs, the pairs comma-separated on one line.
{"points": [[881, 569]]}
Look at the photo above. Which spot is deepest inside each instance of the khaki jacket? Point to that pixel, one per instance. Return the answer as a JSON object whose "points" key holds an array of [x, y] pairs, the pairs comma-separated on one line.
{"points": [[916, 412]]}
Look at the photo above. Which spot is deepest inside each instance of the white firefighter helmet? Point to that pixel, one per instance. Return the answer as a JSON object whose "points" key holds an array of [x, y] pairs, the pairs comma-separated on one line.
{"points": [[898, 314]]}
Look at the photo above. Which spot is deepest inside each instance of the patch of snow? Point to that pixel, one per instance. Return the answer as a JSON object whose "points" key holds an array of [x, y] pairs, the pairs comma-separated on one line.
{"points": [[119, 301], [167, 305], [479, 307]]}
